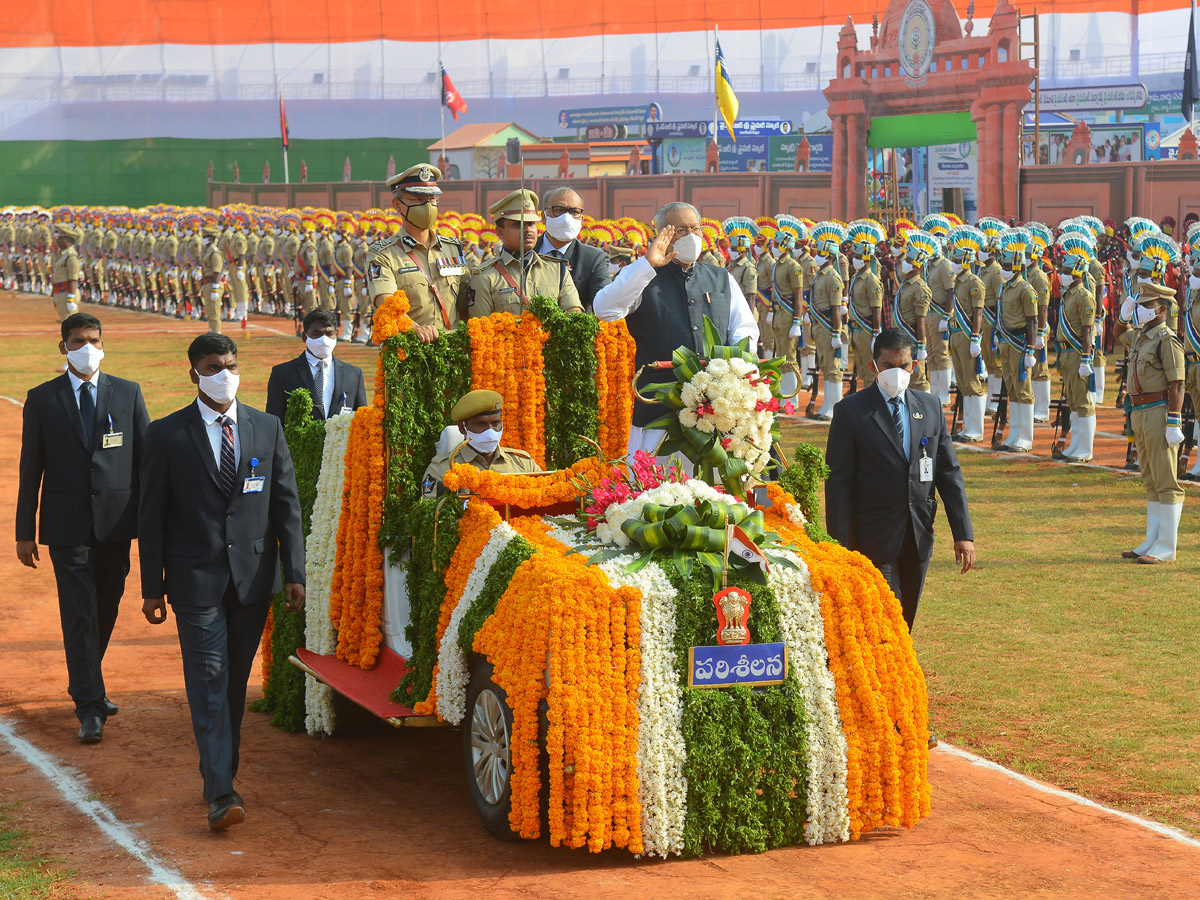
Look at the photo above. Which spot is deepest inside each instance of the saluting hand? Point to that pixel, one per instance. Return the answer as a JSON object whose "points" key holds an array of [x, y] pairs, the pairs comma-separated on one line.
{"points": [[660, 252]]}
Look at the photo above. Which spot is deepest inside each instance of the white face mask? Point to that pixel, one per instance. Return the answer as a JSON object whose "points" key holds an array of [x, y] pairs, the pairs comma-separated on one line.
{"points": [[485, 441], [613, 269], [859, 263], [688, 247], [1143, 278], [905, 266], [321, 347], [897, 252], [1006, 275], [1144, 315], [86, 359], [984, 256], [220, 388], [1132, 262], [894, 381], [776, 252], [820, 260], [564, 228], [955, 268], [1194, 282]]}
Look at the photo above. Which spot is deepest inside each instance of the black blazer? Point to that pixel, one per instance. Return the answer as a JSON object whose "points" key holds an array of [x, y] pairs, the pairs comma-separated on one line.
{"points": [[86, 491], [873, 492], [195, 539], [295, 373], [589, 270]]}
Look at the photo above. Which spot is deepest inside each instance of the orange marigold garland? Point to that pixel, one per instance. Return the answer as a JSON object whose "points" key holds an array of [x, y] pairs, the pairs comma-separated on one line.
{"points": [[356, 595], [506, 357], [391, 318], [267, 650], [880, 687], [614, 377]]}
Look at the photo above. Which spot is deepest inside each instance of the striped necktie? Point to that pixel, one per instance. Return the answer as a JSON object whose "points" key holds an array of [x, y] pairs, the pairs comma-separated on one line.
{"points": [[896, 420], [319, 389], [228, 459]]}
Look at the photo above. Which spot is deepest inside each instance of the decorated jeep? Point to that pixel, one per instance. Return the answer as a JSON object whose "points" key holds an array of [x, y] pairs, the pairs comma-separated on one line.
{"points": [[638, 656]]}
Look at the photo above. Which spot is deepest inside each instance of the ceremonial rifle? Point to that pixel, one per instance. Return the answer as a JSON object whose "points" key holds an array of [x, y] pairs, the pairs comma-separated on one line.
{"points": [[1062, 423], [1000, 416], [1189, 436]]}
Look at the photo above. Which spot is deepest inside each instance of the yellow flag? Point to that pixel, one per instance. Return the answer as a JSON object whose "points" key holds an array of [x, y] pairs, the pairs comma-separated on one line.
{"points": [[727, 101]]}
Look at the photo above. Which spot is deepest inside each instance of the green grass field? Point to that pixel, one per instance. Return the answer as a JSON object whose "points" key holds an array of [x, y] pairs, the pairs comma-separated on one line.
{"points": [[24, 874], [1054, 657]]}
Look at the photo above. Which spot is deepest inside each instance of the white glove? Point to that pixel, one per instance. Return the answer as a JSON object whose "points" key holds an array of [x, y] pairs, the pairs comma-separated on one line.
{"points": [[974, 348], [922, 355], [214, 295], [308, 288], [1030, 360], [1039, 343], [1127, 309], [1085, 370], [73, 307], [347, 291], [241, 272], [836, 342], [794, 331], [1174, 435], [363, 292], [770, 318], [943, 324]]}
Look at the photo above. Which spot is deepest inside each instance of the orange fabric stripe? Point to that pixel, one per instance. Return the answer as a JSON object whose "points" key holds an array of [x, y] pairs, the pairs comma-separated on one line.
{"points": [[44, 23]]}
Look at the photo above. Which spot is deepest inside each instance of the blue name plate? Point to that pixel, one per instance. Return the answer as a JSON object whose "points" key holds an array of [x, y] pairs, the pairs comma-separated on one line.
{"points": [[754, 665]]}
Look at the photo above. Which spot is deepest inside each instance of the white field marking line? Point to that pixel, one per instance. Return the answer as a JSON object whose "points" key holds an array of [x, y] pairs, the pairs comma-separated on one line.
{"points": [[75, 792], [1158, 828], [14, 401]]}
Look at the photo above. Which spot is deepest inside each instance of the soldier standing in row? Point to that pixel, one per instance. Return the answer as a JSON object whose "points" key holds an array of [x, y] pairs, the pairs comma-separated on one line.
{"points": [[1017, 328], [66, 269], [1189, 330], [787, 295], [1076, 335], [963, 245], [940, 281], [212, 269], [825, 311], [993, 284], [1039, 239], [865, 306], [912, 302]]}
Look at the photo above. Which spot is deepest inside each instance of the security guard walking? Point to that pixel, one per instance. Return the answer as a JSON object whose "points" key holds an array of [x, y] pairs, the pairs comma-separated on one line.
{"points": [[498, 286], [479, 416]]}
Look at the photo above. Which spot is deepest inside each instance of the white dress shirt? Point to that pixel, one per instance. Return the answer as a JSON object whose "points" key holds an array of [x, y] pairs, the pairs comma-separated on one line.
{"points": [[210, 416], [624, 294], [76, 381], [313, 362]]}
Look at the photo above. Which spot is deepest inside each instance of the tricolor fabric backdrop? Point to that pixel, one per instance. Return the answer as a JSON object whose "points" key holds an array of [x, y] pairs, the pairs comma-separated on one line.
{"points": [[212, 71]]}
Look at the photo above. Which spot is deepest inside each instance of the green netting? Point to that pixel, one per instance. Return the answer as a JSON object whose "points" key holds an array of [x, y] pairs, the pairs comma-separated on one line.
{"points": [[924, 130], [174, 170]]}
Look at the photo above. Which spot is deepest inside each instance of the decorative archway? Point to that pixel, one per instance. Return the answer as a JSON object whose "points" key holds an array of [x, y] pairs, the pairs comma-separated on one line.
{"points": [[922, 60]]}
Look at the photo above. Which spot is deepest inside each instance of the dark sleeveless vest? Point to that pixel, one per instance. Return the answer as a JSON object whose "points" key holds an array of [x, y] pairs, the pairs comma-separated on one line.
{"points": [[671, 315]]}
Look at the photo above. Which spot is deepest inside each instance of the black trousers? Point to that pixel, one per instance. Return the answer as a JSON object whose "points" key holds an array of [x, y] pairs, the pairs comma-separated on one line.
{"points": [[218, 644], [91, 580], [905, 575]]}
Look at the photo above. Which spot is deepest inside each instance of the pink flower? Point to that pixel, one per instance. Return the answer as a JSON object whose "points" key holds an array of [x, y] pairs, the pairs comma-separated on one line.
{"points": [[789, 407], [726, 443]]}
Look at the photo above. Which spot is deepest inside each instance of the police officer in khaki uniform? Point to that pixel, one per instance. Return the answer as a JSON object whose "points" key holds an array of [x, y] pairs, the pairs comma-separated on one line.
{"points": [[1155, 401], [212, 272], [479, 416], [65, 272], [1017, 330], [498, 286], [1076, 335], [865, 306], [427, 266], [786, 281], [1189, 330], [1039, 239], [963, 244], [993, 284], [741, 232], [825, 312], [912, 302], [940, 280]]}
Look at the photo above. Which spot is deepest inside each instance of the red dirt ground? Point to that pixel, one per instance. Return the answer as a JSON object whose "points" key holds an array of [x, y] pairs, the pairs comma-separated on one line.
{"points": [[386, 813]]}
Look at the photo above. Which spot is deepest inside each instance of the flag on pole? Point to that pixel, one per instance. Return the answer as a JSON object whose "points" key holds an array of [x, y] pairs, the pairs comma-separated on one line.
{"points": [[1191, 84], [283, 126], [727, 101], [451, 98]]}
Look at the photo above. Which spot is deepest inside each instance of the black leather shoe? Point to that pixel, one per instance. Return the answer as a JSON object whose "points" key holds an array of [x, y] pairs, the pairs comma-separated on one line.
{"points": [[224, 812], [110, 708], [91, 730], [932, 741]]}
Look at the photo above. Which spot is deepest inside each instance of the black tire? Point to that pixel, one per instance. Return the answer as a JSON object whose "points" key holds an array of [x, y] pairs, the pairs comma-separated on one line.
{"points": [[487, 733]]}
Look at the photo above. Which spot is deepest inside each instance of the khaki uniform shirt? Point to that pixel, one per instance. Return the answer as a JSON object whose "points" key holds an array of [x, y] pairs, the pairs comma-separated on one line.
{"points": [[343, 256], [808, 269], [765, 262], [306, 259], [289, 248], [745, 275], [1040, 283], [266, 249], [787, 277], [1018, 302], [912, 304], [66, 266], [110, 242], [968, 292], [506, 461], [1078, 310], [398, 262], [1157, 358], [993, 284], [940, 278], [866, 295], [325, 254], [213, 264], [235, 248], [826, 290], [545, 276]]}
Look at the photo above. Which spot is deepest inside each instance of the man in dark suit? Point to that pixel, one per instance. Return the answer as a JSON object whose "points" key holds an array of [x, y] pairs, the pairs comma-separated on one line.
{"points": [[888, 449], [218, 510], [563, 210], [81, 446], [342, 385]]}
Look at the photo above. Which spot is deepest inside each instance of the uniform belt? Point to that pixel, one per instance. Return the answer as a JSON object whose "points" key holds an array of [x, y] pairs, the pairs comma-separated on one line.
{"points": [[1148, 399], [61, 287]]}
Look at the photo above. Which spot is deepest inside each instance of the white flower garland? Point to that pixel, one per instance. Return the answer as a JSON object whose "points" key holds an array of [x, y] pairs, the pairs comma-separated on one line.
{"points": [[725, 385], [669, 494], [803, 630], [320, 555], [452, 675], [662, 785]]}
